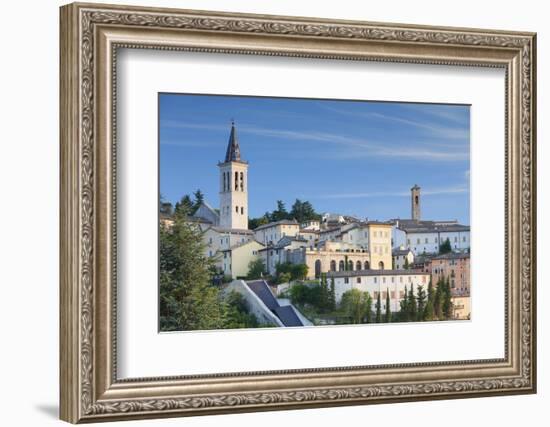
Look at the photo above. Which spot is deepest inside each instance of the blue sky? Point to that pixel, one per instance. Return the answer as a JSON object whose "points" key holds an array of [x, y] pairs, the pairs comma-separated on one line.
{"points": [[357, 158]]}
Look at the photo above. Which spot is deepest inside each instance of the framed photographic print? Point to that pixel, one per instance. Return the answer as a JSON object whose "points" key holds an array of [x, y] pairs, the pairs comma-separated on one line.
{"points": [[264, 212]]}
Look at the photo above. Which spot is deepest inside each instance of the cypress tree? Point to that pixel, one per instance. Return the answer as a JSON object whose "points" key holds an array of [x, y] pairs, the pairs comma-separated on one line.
{"points": [[404, 307], [378, 309], [429, 310], [324, 303], [447, 302], [387, 318], [332, 294], [438, 300], [412, 312], [421, 301], [368, 307]]}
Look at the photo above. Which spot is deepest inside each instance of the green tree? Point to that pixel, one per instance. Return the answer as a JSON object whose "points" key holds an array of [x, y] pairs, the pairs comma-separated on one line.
{"points": [[378, 307], [445, 247], [412, 308], [188, 300], [406, 264], [421, 302], [256, 269], [184, 206], [387, 317], [324, 303], [353, 305], [280, 213], [299, 271], [199, 200], [237, 314], [429, 309], [447, 305], [284, 278], [404, 307], [368, 307], [438, 300], [303, 211], [332, 295]]}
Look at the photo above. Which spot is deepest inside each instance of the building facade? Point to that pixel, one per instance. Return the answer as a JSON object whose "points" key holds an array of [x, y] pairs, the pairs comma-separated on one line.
{"points": [[456, 268], [379, 282], [233, 186], [236, 259]]}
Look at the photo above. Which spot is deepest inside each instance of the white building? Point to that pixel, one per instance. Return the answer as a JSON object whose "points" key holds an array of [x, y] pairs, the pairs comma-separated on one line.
{"points": [[274, 231], [233, 186], [379, 282], [402, 258], [218, 239]]}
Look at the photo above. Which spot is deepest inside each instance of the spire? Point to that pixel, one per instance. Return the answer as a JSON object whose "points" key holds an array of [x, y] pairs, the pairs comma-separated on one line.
{"points": [[233, 153]]}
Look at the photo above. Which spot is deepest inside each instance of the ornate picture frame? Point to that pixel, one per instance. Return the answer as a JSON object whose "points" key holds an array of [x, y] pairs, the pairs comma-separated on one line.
{"points": [[90, 37]]}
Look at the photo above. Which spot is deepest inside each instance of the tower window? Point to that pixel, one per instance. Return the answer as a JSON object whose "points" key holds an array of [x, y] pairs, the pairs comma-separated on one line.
{"points": [[242, 210], [236, 180], [224, 182], [237, 209], [242, 181]]}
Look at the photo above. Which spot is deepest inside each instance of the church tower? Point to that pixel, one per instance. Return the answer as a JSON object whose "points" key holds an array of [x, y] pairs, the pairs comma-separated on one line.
{"points": [[415, 203], [233, 186]]}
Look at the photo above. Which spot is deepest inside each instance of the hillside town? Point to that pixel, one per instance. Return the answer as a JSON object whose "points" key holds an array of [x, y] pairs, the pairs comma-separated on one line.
{"points": [[392, 261]]}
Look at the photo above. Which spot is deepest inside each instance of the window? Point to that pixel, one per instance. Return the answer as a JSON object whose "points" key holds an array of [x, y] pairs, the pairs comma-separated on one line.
{"points": [[426, 240], [242, 181], [408, 241], [237, 209], [463, 238], [401, 279], [346, 280], [225, 254], [358, 265], [333, 265], [341, 266], [383, 280], [210, 240], [375, 280], [221, 241], [358, 280], [417, 241], [392, 279], [242, 210], [456, 239], [236, 180], [435, 240], [224, 182]]}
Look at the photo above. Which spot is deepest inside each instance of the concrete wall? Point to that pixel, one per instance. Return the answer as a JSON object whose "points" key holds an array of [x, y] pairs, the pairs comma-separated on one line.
{"points": [[254, 304]]}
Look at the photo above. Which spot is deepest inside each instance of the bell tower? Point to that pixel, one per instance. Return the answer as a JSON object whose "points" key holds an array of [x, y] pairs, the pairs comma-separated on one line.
{"points": [[233, 186], [415, 203]]}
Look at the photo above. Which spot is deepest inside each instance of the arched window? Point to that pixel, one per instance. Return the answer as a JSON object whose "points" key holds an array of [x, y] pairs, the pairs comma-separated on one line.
{"points": [[237, 209], [358, 265], [350, 265], [242, 210], [367, 265], [228, 181], [381, 265], [224, 182], [317, 268], [236, 180], [333, 265], [242, 181], [341, 266]]}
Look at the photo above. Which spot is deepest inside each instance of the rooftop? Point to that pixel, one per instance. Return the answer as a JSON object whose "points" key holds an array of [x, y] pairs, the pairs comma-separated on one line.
{"points": [[276, 223]]}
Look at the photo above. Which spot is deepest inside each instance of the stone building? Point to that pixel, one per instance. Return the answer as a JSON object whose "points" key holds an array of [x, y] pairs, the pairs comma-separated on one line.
{"points": [[455, 267], [379, 282]]}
